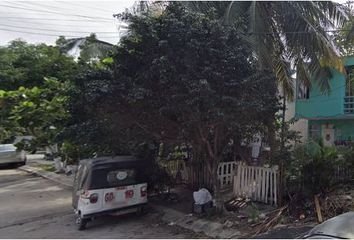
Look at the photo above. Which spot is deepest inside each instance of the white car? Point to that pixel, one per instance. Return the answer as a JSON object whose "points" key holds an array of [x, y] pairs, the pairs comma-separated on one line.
{"points": [[9, 154], [339, 227]]}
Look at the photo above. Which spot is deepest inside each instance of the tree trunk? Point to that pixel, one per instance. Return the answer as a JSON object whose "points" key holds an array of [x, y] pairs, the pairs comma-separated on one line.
{"points": [[194, 181], [282, 146], [281, 160], [216, 186], [272, 140]]}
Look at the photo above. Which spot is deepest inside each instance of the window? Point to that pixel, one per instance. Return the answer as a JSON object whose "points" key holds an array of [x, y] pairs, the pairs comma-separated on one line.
{"points": [[83, 177], [303, 92], [315, 131], [108, 177], [121, 177], [7, 148], [349, 88]]}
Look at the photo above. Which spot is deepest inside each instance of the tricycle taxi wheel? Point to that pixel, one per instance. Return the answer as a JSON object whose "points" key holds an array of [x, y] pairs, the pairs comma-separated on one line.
{"points": [[81, 223], [141, 211]]}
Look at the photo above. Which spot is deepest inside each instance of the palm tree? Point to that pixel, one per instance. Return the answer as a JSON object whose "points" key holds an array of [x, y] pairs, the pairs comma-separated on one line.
{"points": [[287, 35]]}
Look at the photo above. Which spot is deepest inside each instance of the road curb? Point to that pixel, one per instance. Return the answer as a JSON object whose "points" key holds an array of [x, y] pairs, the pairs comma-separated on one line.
{"points": [[62, 180]]}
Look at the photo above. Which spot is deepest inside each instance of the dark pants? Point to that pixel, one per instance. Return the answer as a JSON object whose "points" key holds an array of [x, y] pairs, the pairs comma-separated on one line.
{"points": [[200, 208]]}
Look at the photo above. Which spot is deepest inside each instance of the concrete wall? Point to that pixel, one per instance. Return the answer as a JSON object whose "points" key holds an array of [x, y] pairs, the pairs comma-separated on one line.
{"points": [[323, 105], [319, 104], [300, 125]]}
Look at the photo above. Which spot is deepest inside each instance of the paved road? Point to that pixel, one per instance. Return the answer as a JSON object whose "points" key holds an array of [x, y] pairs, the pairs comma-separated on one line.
{"points": [[285, 233], [33, 207]]}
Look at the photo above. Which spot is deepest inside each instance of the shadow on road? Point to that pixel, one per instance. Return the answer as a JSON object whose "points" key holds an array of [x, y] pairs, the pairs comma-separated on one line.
{"points": [[285, 233]]}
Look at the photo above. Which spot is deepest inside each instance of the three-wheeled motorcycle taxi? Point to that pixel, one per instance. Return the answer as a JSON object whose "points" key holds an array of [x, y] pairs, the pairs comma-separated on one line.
{"points": [[108, 185]]}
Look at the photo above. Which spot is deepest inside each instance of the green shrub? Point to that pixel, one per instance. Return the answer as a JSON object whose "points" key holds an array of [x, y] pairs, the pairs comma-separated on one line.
{"points": [[347, 157], [311, 169]]}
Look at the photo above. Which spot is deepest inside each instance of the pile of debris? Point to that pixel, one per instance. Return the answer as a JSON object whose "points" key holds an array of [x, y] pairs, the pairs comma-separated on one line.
{"points": [[299, 211], [269, 221], [250, 217], [322, 206], [334, 204]]}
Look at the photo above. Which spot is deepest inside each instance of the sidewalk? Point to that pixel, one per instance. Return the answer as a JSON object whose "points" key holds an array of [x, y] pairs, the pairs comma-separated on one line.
{"points": [[61, 179], [170, 216], [191, 222], [33, 166]]}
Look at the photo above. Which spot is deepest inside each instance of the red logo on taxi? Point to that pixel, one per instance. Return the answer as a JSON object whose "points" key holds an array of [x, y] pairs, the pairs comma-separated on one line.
{"points": [[109, 197], [129, 193]]}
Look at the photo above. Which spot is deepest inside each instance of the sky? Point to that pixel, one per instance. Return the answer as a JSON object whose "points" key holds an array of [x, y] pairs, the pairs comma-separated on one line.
{"points": [[43, 21]]}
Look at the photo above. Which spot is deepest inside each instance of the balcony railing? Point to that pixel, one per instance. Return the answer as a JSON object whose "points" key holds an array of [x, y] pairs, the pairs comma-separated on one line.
{"points": [[349, 105]]}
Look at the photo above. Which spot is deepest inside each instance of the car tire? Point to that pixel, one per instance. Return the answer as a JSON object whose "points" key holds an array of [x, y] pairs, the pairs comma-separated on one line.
{"points": [[141, 211], [13, 165], [81, 223], [21, 164]]}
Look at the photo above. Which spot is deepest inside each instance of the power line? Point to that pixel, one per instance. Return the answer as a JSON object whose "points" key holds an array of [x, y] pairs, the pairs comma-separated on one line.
{"points": [[15, 20], [56, 19], [55, 30], [36, 33], [37, 10], [95, 8], [49, 7], [53, 24], [48, 34], [52, 12]]}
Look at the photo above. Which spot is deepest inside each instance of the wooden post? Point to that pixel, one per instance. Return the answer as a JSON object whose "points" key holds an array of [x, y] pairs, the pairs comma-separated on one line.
{"points": [[318, 210], [259, 183], [275, 188], [271, 176], [267, 185], [263, 184]]}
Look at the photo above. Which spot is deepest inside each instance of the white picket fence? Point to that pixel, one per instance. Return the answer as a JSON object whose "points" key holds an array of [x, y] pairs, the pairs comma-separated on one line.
{"points": [[257, 183], [226, 173]]}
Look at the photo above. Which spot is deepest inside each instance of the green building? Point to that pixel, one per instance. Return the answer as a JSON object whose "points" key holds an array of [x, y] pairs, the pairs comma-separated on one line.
{"points": [[330, 115]]}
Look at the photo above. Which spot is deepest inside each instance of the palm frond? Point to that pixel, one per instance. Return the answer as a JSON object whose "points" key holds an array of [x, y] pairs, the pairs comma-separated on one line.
{"points": [[281, 32], [236, 10], [205, 6], [281, 68], [302, 73], [333, 11]]}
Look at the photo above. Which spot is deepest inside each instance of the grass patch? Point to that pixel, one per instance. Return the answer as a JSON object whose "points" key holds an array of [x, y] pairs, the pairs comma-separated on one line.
{"points": [[47, 167]]}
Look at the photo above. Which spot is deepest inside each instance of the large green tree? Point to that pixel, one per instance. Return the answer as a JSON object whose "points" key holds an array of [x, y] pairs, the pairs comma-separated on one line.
{"points": [[34, 79], [183, 78], [26, 65], [37, 111]]}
